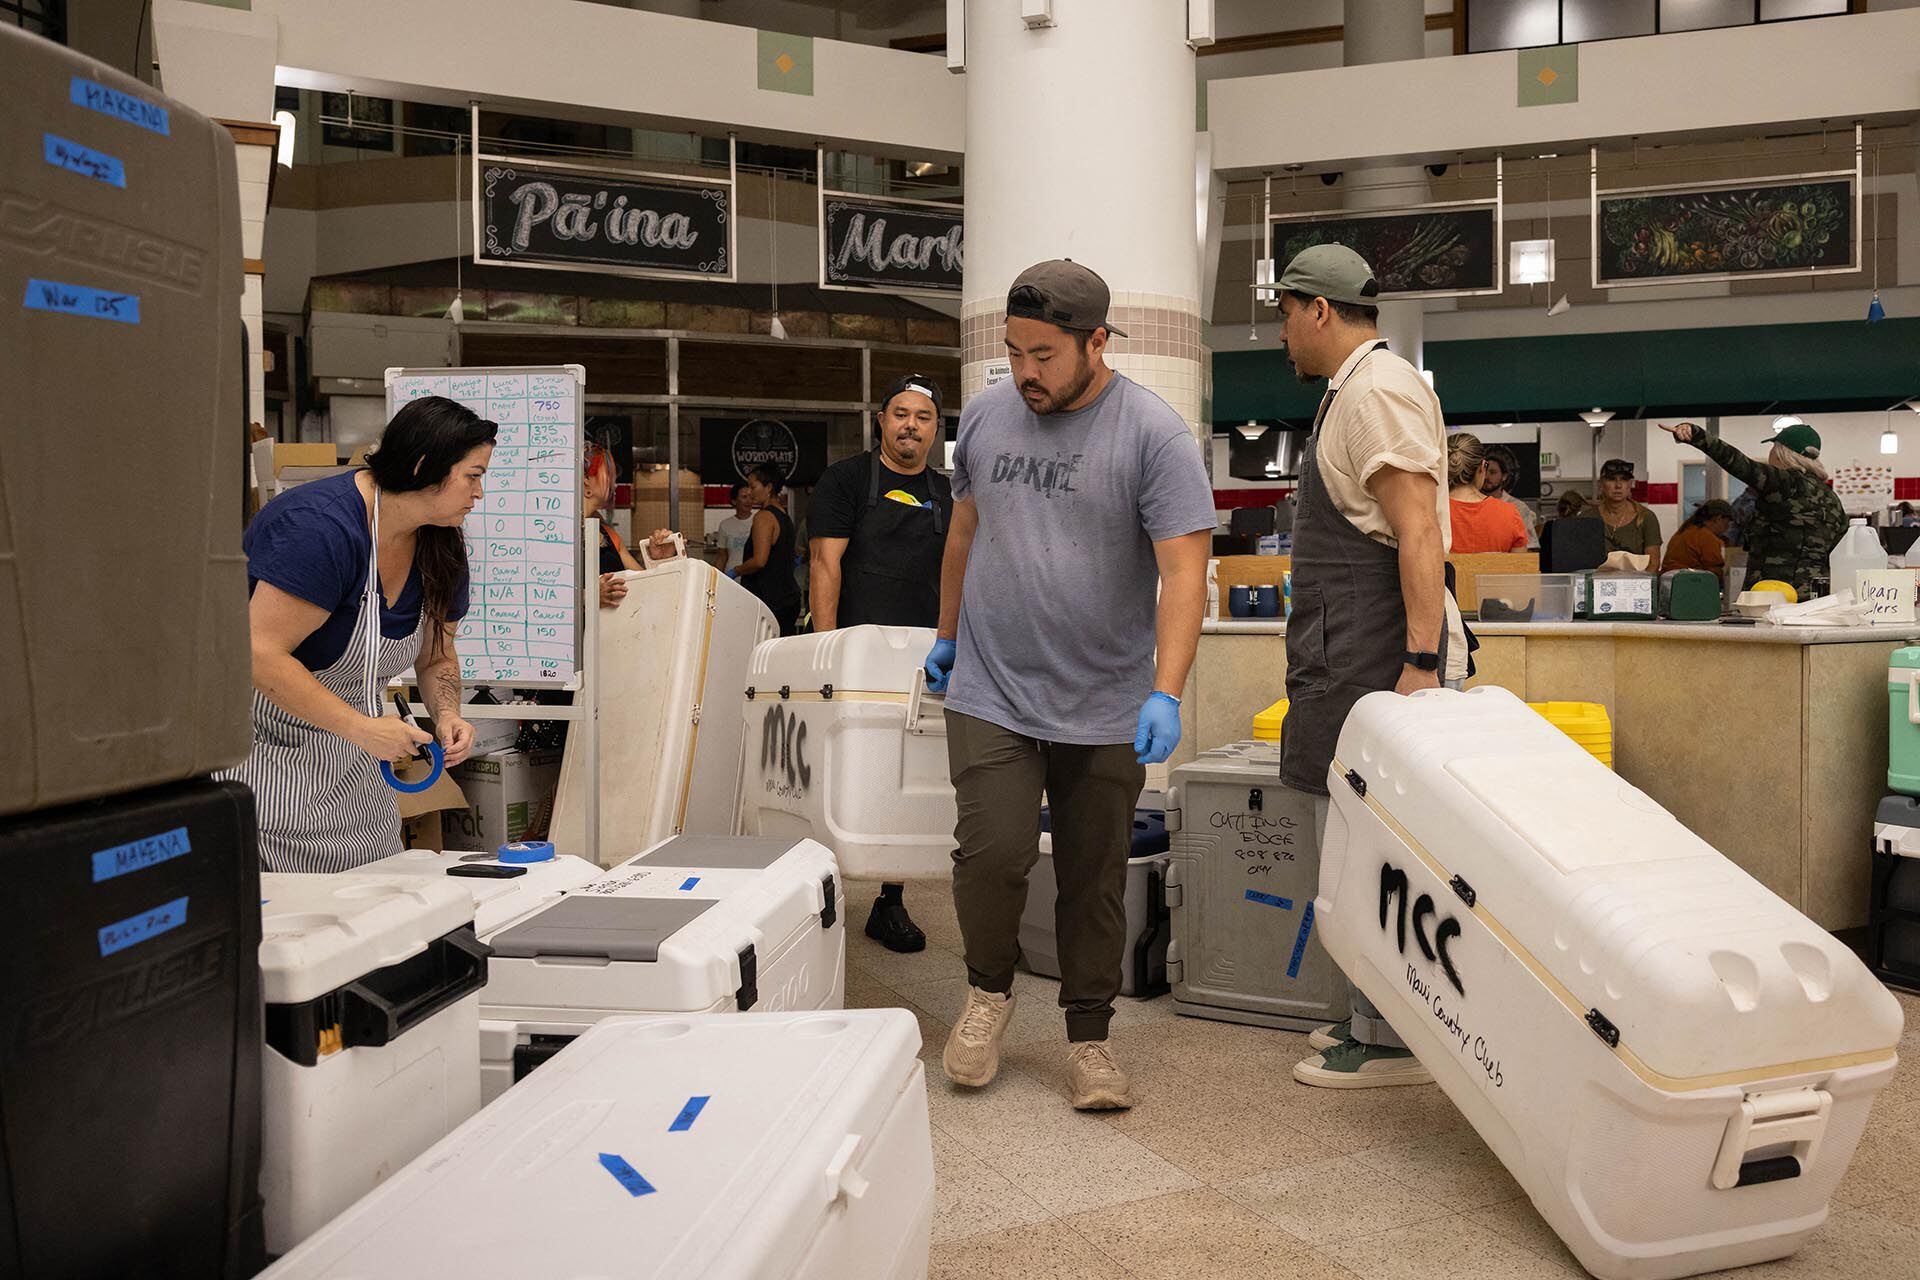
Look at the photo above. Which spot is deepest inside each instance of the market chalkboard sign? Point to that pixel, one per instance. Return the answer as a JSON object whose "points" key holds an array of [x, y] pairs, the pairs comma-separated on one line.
{"points": [[869, 243], [1433, 252], [1726, 231], [559, 216]]}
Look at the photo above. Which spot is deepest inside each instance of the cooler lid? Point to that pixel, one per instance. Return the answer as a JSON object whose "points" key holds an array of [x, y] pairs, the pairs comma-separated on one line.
{"points": [[1906, 657], [721, 853], [496, 901], [864, 659], [321, 932], [599, 928]]}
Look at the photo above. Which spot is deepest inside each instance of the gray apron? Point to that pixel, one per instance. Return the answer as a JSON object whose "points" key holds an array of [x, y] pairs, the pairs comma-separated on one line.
{"points": [[321, 802], [1347, 635]]}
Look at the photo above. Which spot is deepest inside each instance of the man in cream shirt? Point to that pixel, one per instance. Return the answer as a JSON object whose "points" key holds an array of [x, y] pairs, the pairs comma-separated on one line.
{"points": [[1370, 536]]}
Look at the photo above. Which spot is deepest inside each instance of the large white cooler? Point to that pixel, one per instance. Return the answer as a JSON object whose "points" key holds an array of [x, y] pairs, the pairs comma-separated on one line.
{"points": [[372, 993], [502, 892], [673, 659], [775, 1147], [697, 924], [1674, 1063], [845, 745]]}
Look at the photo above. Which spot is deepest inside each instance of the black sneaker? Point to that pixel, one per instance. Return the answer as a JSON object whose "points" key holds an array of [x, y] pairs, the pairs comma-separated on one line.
{"points": [[889, 925]]}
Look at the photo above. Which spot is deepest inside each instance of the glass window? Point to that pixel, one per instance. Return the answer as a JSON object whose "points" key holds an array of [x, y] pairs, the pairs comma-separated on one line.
{"points": [[1698, 15], [1512, 24], [1772, 9], [1605, 19]]}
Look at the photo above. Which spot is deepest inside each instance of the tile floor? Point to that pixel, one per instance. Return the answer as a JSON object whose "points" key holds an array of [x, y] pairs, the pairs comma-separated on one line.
{"points": [[1227, 1170]]}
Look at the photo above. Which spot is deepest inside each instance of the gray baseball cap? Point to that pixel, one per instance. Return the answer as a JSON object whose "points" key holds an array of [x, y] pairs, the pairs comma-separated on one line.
{"points": [[1065, 293], [1333, 272]]}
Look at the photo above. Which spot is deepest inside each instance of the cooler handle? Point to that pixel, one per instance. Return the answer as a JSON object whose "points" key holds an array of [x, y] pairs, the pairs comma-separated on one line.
{"points": [[1913, 701], [916, 691], [1793, 1119], [382, 1007], [843, 1180]]}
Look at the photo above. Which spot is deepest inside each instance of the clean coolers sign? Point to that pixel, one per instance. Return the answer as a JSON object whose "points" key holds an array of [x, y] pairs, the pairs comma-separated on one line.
{"points": [[896, 245], [564, 216]]}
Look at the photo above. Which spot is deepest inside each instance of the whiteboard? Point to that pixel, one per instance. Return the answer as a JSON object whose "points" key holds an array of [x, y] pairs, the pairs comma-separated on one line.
{"points": [[524, 560]]}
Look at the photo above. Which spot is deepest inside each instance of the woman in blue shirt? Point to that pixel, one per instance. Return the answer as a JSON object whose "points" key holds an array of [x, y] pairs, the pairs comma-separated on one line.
{"points": [[323, 562]]}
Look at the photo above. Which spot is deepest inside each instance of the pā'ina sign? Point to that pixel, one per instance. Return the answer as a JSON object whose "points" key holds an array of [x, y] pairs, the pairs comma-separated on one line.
{"points": [[594, 220]]}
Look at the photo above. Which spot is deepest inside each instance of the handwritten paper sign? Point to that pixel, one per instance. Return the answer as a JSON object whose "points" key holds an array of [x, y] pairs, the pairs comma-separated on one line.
{"points": [[523, 539], [891, 244], [561, 216]]}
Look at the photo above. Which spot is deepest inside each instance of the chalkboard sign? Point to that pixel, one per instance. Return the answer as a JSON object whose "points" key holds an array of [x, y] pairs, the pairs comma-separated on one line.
{"points": [[1433, 251], [565, 216], [867, 242], [1726, 231], [731, 447], [523, 539]]}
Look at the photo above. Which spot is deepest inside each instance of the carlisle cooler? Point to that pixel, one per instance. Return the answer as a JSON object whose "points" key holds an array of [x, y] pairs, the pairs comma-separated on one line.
{"points": [[844, 744], [130, 1026], [776, 1147], [697, 924], [1240, 886], [372, 1035], [673, 659], [125, 381], [1143, 965], [507, 886], [1674, 1063], [1903, 721]]}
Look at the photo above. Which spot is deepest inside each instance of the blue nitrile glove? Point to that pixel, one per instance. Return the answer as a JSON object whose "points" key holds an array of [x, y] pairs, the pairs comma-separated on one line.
{"points": [[939, 666], [734, 574], [1159, 731]]}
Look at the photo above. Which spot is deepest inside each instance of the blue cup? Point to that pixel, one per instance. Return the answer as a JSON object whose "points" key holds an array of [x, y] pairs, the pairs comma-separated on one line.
{"points": [[1240, 601], [1266, 601]]}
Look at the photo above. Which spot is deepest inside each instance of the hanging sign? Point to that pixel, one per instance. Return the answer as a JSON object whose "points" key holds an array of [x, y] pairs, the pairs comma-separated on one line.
{"points": [[1426, 251], [573, 218], [908, 246], [731, 447]]}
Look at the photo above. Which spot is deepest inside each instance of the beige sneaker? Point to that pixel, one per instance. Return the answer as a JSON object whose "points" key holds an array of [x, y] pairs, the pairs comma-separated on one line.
{"points": [[973, 1049], [1098, 1082]]}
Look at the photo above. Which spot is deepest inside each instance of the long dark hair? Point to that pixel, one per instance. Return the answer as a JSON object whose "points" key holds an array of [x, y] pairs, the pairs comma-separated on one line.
{"points": [[418, 450]]}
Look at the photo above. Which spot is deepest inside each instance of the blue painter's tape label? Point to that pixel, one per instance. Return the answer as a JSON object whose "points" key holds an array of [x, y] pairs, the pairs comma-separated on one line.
{"points": [[688, 1114], [134, 930], [1270, 899], [62, 153], [1300, 942], [95, 96], [688, 883], [78, 300], [138, 855], [626, 1175]]}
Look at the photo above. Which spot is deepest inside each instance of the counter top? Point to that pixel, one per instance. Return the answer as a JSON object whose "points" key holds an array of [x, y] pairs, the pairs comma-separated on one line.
{"points": [[1759, 633]]}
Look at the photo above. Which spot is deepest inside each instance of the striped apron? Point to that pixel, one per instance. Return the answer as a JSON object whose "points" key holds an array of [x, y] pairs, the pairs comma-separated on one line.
{"points": [[322, 803]]}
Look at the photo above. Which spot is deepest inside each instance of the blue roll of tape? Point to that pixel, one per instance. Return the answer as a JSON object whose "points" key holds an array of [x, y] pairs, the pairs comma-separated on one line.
{"points": [[525, 851], [398, 783]]}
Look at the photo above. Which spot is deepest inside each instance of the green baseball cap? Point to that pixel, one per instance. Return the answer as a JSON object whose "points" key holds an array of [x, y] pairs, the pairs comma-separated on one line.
{"points": [[1333, 272], [1798, 437]]}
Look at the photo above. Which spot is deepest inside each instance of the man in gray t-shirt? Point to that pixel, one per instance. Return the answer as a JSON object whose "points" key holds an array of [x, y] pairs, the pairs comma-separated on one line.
{"points": [[1076, 492]]}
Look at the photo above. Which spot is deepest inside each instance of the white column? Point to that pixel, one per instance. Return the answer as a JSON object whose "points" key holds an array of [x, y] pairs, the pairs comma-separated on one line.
{"points": [[1389, 31], [1080, 144]]}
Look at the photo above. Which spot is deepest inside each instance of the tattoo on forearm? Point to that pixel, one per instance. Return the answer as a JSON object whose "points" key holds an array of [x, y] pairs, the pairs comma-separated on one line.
{"points": [[446, 689]]}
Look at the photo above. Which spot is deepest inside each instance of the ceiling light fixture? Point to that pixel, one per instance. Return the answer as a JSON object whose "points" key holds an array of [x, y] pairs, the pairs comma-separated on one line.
{"points": [[1530, 261], [1597, 418], [1784, 421], [1251, 430]]}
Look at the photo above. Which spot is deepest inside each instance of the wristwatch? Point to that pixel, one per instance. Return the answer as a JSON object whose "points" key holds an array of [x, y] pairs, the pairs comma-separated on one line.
{"points": [[1421, 661]]}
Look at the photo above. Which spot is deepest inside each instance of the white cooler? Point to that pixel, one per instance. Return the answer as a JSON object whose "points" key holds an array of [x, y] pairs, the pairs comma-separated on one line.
{"points": [[1674, 1063], [775, 1147], [845, 745], [502, 892], [673, 659], [697, 924], [371, 986]]}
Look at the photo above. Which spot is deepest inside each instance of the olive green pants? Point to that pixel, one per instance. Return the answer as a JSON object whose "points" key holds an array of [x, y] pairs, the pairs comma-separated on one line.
{"points": [[998, 778]]}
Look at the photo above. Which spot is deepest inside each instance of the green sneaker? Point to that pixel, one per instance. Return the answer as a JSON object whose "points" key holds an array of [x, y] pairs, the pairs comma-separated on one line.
{"points": [[1327, 1037], [1352, 1065]]}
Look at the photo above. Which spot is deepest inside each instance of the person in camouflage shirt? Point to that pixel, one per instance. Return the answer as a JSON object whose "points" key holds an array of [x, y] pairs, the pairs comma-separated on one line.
{"points": [[1797, 520]]}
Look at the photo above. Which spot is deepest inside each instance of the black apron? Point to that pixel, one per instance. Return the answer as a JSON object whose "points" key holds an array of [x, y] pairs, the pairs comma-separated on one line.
{"points": [[890, 573], [1347, 635]]}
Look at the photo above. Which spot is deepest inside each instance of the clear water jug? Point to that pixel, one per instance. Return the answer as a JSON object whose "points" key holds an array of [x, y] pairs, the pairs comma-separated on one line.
{"points": [[1858, 551]]}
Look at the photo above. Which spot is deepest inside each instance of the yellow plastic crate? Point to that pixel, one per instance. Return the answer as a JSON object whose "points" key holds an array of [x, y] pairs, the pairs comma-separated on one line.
{"points": [[1266, 725]]}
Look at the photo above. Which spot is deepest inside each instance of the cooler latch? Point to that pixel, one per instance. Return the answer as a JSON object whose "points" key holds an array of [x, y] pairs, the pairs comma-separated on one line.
{"points": [[1176, 961], [1172, 884], [1358, 783], [1774, 1136], [749, 993], [828, 914]]}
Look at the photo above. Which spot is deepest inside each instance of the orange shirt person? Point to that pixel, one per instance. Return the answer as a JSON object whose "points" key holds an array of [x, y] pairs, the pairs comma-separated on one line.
{"points": [[1479, 523], [1701, 541]]}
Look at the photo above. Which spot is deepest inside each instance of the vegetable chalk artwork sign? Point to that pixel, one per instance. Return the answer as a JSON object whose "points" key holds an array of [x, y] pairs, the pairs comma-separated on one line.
{"points": [[572, 218]]}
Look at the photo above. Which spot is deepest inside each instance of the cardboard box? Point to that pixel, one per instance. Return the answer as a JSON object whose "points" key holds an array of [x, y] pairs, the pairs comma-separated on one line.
{"points": [[650, 502], [509, 795], [423, 814]]}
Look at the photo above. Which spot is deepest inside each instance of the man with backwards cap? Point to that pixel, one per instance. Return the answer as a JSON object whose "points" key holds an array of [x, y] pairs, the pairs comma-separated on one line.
{"points": [[1075, 489], [879, 527], [1371, 530]]}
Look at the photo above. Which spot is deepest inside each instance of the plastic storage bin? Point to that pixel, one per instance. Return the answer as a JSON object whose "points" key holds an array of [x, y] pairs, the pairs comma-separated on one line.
{"points": [[130, 1011], [1266, 725], [697, 924], [776, 1147], [1143, 965], [1893, 911], [372, 1035], [1678, 1091], [122, 320], [1689, 595], [1525, 597], [1586, 723], [1903, 721], [502, 892], [1240, 886], [845, 745], [673, 658]]}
